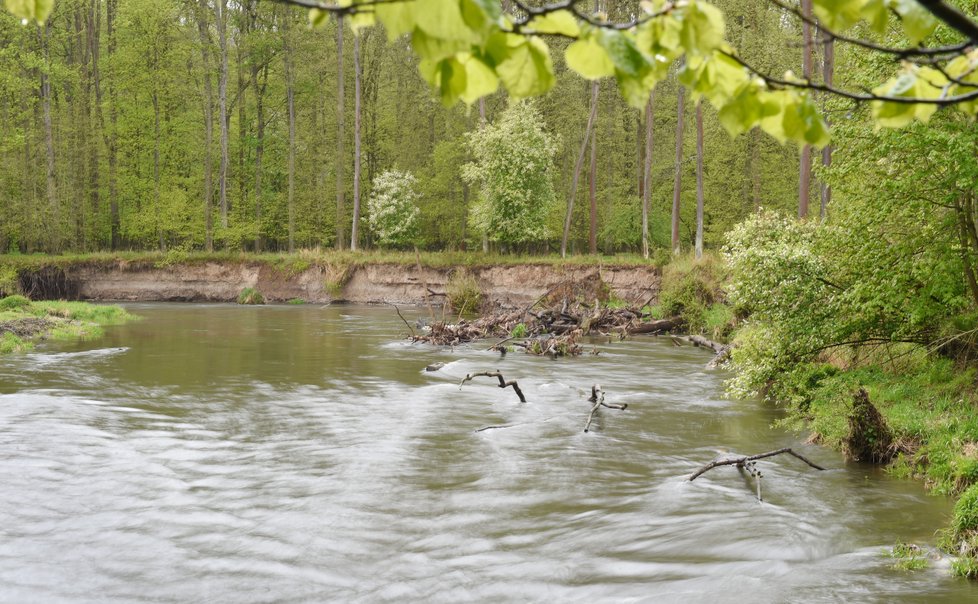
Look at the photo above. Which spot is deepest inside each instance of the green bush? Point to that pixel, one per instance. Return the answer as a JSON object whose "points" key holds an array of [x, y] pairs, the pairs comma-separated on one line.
{"points": [[250, 295], [296, 301], [519, 331], [14, 302], [463, 292], [694, 290]]}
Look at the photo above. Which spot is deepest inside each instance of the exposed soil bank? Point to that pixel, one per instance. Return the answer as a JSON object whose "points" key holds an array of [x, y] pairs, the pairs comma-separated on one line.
{"points": [[505, 286]]}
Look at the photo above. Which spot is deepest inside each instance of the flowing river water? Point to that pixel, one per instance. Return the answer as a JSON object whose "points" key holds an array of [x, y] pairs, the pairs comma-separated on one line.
{"points": [[215, 453]]}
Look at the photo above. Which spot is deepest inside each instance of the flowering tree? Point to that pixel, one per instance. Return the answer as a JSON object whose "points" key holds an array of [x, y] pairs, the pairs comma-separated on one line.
{"points": [[393, 212], [514, 169]]}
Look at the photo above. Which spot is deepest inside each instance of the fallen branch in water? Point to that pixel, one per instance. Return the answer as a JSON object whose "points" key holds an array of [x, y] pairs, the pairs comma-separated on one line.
{"points": [[597, 397], [721, 351], [502, 382], [411, 329], [742, 461]]}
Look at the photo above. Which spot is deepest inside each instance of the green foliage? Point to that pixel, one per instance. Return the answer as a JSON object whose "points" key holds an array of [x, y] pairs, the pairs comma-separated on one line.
{"points": [[14, 302], [393, 210], [694, 290], [295, 301], [908, 557], [961, 537], [519, 331], [98, 314], [9, 281], [250, 295], [463, 292], [513, 168]]}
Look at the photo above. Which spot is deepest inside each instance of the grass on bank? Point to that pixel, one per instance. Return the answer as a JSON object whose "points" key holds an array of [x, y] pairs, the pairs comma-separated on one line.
{"points": [[23, 322]]}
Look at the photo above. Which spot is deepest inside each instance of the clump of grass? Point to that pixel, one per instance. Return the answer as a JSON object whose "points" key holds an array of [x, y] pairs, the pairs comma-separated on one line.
{"points": [[250, 295], [908, 557], [463, 292], [11, 343], [15, 302], [519, 331], [296, 301], [9, 281], [99, 314]]}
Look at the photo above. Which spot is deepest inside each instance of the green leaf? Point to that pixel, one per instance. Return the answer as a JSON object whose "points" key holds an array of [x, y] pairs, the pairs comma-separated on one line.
{"points": [[703, 28], [442, 19], [877, 14], [588, 58], [660, 37], [397, 17], [918, 22], [745, 109], [358, 21], [528, 70], [318, 17], [838, 15], [480, 15], [33, 10], [481, 80], [558, 23], [623, 53]]}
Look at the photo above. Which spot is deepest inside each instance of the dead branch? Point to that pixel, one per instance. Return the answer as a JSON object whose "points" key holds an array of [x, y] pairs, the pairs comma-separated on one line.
{"points": [[411, 329], [742, 461], [597, 397], [502, 382]]}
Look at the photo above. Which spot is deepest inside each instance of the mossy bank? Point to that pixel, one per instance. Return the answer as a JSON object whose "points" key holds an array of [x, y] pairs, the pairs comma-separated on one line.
{"points": [[24, 323]]}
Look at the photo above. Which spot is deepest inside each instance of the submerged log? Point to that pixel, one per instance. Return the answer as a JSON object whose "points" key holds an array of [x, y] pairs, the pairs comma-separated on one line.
{"points": [[502, 382], [597, 397], [655, 327], [742, 460]]}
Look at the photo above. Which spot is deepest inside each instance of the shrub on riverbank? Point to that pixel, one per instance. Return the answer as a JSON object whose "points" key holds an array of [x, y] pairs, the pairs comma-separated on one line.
{"points": [[250, 295]]}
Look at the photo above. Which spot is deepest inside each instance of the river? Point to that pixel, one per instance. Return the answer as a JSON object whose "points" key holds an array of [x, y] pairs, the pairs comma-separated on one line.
{"points": [[216, 453]]}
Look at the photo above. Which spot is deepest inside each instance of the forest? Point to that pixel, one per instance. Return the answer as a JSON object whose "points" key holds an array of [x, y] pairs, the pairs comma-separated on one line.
{"points": [[189, 125]]}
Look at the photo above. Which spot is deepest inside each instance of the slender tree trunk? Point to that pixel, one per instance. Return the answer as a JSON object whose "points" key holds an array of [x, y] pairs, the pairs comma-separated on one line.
{"points": [[52, 185], [805, 169], [354, 235], [828, 73], [222, 100], [111, 9], [588, 130], [593, 179], [482, 124], [156, 165], [205, 56], [699, 179], [290, 101], [647, 172], [678, 182], [340, 136], [261, 83]]}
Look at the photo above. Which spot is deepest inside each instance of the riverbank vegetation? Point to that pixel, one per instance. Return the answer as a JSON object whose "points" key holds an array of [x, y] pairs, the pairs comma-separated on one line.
{"points": [[23, 322]]}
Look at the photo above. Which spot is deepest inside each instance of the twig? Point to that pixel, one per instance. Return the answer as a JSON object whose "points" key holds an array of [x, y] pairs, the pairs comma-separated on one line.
{"points": [[502, 382], [597, 397], [403, 319], [743, 460]]}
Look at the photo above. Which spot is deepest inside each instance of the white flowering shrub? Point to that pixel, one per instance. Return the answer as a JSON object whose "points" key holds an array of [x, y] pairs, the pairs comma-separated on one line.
{"points": [[393, 212], [513, 168]]}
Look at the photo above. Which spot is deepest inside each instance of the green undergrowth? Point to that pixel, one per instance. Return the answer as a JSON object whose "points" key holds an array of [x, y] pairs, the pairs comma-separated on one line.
{"points": [[694, 289], [23, 322]]}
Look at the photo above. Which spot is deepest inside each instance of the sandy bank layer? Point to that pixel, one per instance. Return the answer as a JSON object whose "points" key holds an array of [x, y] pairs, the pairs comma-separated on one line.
{"points": [[507, 286]]}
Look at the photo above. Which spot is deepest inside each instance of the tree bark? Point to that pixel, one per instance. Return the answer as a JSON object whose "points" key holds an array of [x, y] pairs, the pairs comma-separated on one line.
{"points": [[699, 180], [52, 185], [593, 178], [482, 124], [222, 99], [340, 136], [647, 172], [678, 180], [805, 168], [205, 56], [354, 236], [156, 161], [111, 9], [290, 102], [592, 117], [828, 73]]}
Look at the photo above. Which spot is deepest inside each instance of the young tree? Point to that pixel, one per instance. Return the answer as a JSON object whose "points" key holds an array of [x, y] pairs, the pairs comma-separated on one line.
{"points": [[393, 208], [514, 169]]}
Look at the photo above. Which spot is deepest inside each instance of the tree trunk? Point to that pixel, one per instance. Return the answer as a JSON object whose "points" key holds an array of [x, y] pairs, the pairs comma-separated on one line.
{"points": [[156, 164], [52, 185], [593, 178], [805, 169], [340, 136], [828, 73], [678, 182], [647, 172], [111, 9], [354, 236], [290, 101], [205, 56], [482, 124], [222, 100], [260, 83], [699, 179], [577, 170]]}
